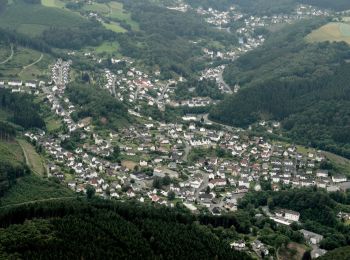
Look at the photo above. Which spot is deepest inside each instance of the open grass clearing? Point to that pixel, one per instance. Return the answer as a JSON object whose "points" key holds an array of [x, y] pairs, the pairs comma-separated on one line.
{"points": [[33, 159], [333, 32]]}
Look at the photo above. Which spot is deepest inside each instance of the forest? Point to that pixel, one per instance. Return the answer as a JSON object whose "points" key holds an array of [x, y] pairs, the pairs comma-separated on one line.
{"points": [[310, 95], [23, 110], [168, 39], [99, 229], [88, 97], [201, 88]]}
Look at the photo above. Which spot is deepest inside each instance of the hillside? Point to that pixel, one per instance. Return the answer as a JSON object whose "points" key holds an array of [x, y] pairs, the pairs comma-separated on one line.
{"points": [[106, 230], [305, 86]]}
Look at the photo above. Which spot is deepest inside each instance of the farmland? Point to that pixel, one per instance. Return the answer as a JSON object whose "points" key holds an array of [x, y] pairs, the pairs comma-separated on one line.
{"points": [[333, 32]]}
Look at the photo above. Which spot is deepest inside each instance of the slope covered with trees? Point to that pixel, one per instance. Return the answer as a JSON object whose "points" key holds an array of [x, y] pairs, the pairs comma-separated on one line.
{"points": [[305, 86], [318, 211], [106, 230], [168, 39]]}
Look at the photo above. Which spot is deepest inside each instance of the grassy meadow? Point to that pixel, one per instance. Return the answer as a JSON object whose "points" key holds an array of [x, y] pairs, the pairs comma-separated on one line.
{"points": [[333, 32]]}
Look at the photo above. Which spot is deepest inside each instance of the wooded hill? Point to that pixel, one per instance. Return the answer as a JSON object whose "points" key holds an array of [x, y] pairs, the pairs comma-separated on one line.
{"points": [[99, 229], [305, 86]]}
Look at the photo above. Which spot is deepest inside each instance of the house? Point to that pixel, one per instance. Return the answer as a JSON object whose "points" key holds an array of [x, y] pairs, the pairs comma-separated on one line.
{"points": [[339, 178], [288, 214], [30, 84], [317, 252], [322, 173], [15, 83], [311, 237], [238, 245]]}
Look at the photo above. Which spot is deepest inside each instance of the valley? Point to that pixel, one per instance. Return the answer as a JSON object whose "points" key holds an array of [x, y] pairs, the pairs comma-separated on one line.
{"points": [[232, 120]]}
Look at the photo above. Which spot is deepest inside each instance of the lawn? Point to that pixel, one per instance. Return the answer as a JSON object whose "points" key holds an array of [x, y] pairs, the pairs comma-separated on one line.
{"points": [[342, 164], [53, 3], [117, 11], [108, 48], [97, 7], [33, 187], [35, 161], [115, 27], [333, 32], [52, 124]]}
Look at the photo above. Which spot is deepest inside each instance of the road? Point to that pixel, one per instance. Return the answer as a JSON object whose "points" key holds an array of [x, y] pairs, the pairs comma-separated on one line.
{"points": [[203, 186], [186, 151], [32, 64], [208, 121], [10, 57], [220, 80], [35, 201]]}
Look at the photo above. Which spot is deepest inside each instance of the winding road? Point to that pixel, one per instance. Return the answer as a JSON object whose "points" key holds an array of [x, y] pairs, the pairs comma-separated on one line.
{"points": [[32, 64], [10, 57]]}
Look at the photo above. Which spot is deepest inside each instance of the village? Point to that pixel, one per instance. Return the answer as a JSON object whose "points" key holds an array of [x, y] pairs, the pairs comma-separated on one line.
{"points": [[196, 163]]}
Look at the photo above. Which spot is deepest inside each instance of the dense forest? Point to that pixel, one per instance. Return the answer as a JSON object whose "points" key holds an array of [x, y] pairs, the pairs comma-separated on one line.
{"points": [[91, 33], [107, 230], [88, 98], [305, 86], [169, 39], [23, 110], [200, 88], [318, 211]]}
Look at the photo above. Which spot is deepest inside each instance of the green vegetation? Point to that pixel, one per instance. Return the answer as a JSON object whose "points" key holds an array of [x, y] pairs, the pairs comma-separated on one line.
{"points": [[102, 230], [110, 112], [202, 88], [339, 253], [24, 111], [305, 86], [333, 32], [318, 211], [169, 39], [12, 164], [31, 188], [33, 159], [22, 16]]}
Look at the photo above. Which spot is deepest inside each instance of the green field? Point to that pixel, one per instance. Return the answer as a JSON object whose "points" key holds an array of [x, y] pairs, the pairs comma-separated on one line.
{"points": [[115, 27], [32, 188], [32, 19], [33, 159], [18, 67], [53, 3], [333, 32], [117, 11]]}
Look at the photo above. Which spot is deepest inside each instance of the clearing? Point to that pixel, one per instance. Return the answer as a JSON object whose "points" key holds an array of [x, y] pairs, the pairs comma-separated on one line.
{"points": [[293, 251], [34, 188], [333, 32], [33, 159]]}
